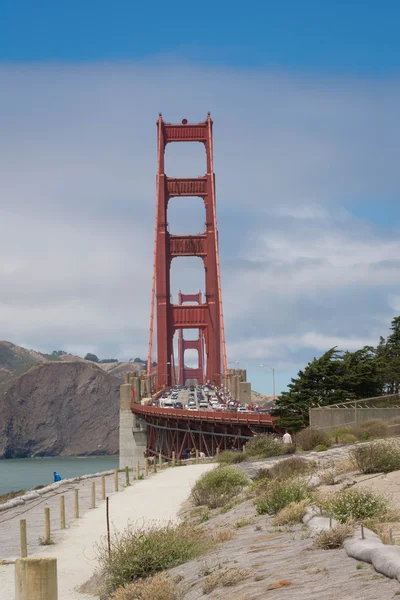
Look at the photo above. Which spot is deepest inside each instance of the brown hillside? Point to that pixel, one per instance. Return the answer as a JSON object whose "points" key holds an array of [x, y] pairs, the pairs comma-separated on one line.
{"points": [[67, 408]]}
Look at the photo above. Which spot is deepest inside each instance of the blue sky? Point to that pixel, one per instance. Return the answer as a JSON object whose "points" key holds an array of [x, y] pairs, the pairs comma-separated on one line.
{"points": [[342, 36], [305, 99]]}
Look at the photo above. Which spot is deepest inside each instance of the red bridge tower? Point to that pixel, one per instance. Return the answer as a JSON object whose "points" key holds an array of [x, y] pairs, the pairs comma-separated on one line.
{"points": [[207, 316]]}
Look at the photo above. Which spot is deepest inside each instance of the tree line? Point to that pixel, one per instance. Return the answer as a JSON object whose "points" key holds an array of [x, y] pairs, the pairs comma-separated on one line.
{"points": [[338, 376]]}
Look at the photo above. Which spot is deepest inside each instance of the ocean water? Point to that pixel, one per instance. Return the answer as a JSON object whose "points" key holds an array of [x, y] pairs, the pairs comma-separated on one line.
{"points": [[26, 473]]}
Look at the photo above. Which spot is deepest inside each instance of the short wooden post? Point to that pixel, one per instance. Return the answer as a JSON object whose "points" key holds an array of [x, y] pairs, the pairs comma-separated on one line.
{"points": [[197, 457], [116, 480], [47, 531], [146, 467], [160, 460], [36, 579], [320, 509], [62, 512], [217, 451], [173, 458], [93, 494], [154, 464], [330, 522], [103, 487], [137, 470], [23, 538], [362, 531], [128, 483], [244, 448], [76, 503]]}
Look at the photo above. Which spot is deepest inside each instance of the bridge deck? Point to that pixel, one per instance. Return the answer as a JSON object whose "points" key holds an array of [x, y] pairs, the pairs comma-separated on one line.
{"points": [[203, 415]]}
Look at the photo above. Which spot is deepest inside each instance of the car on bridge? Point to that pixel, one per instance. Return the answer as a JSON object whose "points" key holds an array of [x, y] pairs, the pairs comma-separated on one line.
{"points": [[178, 405]]}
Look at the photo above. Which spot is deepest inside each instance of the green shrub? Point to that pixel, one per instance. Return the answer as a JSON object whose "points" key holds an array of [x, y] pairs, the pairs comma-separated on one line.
{"points": [[140, 552], [219, 486], [337, 434], [262, 475], [266, 445], [321, 448], [378, 457], [290, 467], [230, 458], [375, 428], [355, 503], [279, 494], [309, 439]]}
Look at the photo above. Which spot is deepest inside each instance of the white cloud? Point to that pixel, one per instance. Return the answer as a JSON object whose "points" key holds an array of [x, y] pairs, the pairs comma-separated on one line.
{"points": [[300, 273]]}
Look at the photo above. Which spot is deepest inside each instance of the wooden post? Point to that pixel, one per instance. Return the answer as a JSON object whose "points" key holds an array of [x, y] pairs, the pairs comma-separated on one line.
{"points": [[137, 470], [62, 512], [330, 522], [36, 579], [103, 487], [128, 483], [154, 464], [244, 448], [47, 532], [116, 480], [93, 494], [173, 458], [23, 538], [362, 531], [146, 467], [76, 503], [197, 457], [217, 452], [160, 460]]}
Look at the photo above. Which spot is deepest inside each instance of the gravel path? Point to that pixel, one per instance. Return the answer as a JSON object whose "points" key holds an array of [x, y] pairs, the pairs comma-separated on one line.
{"points": [[157, 498]]}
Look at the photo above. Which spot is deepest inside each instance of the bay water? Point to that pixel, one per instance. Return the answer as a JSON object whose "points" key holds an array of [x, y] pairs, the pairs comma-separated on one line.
{"points": [[26, 473]]}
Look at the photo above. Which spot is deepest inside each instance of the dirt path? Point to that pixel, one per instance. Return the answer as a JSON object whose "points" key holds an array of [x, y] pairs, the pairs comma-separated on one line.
{"points": [[158, 498]]}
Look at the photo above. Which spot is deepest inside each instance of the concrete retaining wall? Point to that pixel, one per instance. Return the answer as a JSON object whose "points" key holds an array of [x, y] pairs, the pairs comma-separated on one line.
{"points": [[331, 418]]}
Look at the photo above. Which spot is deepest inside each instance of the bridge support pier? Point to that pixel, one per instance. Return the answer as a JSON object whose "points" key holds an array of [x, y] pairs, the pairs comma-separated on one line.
{"points": [[132, 437]]}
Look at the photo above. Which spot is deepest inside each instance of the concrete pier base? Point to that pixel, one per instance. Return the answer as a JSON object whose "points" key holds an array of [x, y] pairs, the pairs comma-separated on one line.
{"points": [[36, 579], [132, 437]]}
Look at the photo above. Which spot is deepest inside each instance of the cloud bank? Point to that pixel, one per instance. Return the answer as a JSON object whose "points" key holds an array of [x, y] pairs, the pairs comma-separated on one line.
{"points": [[300, 272]]}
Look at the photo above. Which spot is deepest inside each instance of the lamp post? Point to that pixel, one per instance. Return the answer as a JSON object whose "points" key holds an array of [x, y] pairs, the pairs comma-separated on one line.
{"points": [[273, 377]]}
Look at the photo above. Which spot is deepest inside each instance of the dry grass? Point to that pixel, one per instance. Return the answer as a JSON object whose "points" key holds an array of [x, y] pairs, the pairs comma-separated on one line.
{"points": [[159, 587], [292, 513], [243, 522], [346, 465], [222, 535], [333, 537], [278, 585], [328, 477], [224, 578]]}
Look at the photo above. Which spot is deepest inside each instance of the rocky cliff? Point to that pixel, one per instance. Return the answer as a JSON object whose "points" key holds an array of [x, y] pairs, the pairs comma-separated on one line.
{"points": [[60, 408]]}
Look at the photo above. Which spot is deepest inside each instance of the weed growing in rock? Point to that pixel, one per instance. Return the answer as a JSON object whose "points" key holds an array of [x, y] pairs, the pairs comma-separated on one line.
{"points": [[355, 503], [379, 457], [140, 552], [218, 487], [328, 539], [279, 494], [291, 467], [243, 522], [224, 578]]}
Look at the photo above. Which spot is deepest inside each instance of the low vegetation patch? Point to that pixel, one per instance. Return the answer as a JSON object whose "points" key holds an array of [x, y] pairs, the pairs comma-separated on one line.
{"points": [[266, 445], [292, 513], [374, 428], [356, 504], [291, 467], [309, 439], [224, 578], [243, 522], [219, 486], [159, 587], [378, 457], [140, 552], [279, 494], [230, 458], [332, 538]]}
